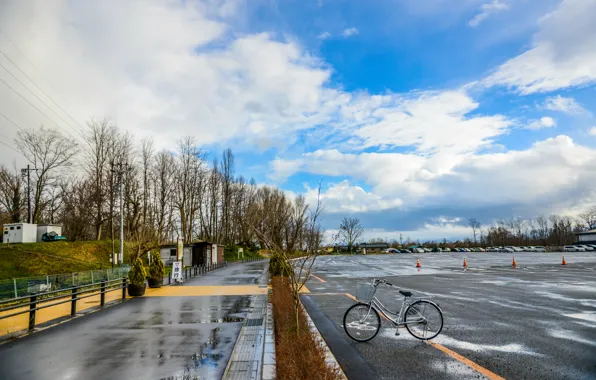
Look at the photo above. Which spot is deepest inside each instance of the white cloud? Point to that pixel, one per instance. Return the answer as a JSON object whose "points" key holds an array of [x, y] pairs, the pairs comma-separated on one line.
{"points": [[592, 131], [324, 36], [563, 53], [552, 174], [349, 32], [486, 10], [344, 198], [562, 104], [543, 122], [174, 69], [430, 121]]}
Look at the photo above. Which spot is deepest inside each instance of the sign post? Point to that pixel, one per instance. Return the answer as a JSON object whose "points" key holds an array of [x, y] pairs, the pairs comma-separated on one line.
{"points": [[177, 271], [180, 251], [240, 252]]}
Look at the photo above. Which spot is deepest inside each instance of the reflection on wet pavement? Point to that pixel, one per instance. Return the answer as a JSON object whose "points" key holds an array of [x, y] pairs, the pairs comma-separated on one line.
{"points": [[144, 338]]}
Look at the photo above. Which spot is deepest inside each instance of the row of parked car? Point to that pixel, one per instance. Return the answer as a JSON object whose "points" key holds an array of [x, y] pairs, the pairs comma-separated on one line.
{"points": [[579, 248], [509, 249]]}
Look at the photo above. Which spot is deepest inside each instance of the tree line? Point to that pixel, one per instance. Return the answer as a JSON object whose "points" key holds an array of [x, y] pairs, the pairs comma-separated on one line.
{"points": [[166, 194]]}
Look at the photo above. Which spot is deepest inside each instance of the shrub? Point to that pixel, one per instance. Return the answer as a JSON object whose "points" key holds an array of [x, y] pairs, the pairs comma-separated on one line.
{"points": [[276, 266], [137, 274], [156, 269]]}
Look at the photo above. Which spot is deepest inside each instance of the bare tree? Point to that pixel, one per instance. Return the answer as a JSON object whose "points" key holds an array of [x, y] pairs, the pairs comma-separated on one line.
{"points": [[12, 197], [589, 217], [475, 225], [49, 152], [100, 138], [163, 172], [350, 231], [292, 235]]}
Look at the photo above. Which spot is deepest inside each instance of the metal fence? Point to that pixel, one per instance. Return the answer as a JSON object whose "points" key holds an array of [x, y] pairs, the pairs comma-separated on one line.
{"points": [[25, 286]]}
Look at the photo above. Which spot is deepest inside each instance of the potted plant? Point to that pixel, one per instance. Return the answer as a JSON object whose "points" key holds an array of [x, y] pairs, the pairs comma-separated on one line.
{"points": [[136, 277], [156, 271]]}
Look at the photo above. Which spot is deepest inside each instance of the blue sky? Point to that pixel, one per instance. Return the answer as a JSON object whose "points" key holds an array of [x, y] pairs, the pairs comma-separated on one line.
{"points": [[414, 115]]}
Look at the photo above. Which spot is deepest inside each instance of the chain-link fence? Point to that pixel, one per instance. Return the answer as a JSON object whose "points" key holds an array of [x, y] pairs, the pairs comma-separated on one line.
{"points": [[20, 287]]}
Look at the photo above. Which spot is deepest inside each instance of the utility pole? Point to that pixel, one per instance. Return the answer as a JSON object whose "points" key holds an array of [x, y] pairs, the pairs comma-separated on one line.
{"points": [[27, 172], [121, 169]]}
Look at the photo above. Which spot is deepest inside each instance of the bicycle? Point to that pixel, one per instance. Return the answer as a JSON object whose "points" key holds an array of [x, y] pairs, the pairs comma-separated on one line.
{"points": [[422, 318]]}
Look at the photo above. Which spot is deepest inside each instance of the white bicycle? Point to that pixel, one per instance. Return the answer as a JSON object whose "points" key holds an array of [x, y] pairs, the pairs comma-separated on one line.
{"points": [[422, 318]]}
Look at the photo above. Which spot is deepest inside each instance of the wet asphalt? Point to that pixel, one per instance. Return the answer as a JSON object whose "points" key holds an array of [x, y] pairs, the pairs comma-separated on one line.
{"points": [[534, 322], [142, 338]]}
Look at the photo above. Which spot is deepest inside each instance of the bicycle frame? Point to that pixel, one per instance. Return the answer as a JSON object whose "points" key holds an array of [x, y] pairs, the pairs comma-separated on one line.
{"points": [[379, 307]]}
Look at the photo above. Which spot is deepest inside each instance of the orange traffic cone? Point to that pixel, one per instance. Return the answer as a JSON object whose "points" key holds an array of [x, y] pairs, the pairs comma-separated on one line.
{"points": [[418, 264], [564, 262], [465, 263], [514, 262]]}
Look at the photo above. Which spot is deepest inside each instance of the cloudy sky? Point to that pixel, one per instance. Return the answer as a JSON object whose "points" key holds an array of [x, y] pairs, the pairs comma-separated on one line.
{"points": [[414, 115]]}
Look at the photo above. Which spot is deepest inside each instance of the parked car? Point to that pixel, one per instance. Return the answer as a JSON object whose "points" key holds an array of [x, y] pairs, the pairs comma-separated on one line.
{"points": [[390, 250], [405, 251], [573, 248], [539, 248], [427, 250], [586, 247], [508, 249], [447, 250]]}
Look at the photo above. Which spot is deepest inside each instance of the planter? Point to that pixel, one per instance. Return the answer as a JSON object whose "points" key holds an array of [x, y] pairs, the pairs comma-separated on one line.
{"points": [[135, 290], [154, 282]]}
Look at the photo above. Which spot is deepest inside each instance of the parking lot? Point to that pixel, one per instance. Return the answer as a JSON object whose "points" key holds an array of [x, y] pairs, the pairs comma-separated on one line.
{"points": [[536, 321]]}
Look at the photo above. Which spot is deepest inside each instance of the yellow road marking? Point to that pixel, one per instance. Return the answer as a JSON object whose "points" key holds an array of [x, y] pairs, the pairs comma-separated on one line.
{"points": [[454, 355], [468, 362], [200, 291], [351, 296], [318, 278]]}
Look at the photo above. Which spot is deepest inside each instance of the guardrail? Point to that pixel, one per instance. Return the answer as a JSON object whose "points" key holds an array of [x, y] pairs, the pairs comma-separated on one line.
{"points": [[251, 259], [43, 300], [197, 270], [76, 294]]}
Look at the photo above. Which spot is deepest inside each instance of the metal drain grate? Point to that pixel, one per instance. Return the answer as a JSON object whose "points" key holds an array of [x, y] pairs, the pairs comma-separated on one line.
{"points": [[243, 369], [254, 322]]}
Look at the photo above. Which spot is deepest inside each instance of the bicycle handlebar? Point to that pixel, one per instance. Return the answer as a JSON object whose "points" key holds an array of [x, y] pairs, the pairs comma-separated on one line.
{"points": [[378, 281]]}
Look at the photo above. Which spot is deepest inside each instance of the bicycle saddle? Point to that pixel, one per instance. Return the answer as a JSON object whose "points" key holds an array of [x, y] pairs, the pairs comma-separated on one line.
{"points": [[407, 294]]}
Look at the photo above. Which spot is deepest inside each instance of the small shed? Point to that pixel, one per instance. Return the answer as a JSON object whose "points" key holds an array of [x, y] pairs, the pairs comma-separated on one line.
{"points": [[45, 228], [19, 233], [373, 247], [195, 254]]}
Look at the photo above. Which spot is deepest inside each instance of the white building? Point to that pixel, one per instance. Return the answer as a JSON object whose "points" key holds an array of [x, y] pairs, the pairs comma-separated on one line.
{"points": [[19, 233], [587, 237], [45, 228]]}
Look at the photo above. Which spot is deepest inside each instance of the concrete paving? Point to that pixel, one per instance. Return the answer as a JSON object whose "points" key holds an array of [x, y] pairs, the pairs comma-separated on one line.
{"points": [[534, 322], [173, 337]]}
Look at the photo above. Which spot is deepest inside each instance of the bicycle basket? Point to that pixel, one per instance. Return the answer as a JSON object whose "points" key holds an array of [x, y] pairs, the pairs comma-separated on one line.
{"points": [[365, 292]]}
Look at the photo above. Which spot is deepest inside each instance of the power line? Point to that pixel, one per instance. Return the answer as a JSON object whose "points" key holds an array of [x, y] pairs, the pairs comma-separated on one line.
{"points": [[37, 86], [37, 97], [34, 106], [12, 122]]}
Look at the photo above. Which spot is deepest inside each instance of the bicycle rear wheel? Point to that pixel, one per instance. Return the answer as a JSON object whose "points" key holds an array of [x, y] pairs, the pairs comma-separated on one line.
{"points": [[424, 320], [362, 322]]}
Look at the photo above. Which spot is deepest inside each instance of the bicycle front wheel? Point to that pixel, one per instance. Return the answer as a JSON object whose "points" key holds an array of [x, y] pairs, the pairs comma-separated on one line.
{"points": [[424, 320], [362, 322]]}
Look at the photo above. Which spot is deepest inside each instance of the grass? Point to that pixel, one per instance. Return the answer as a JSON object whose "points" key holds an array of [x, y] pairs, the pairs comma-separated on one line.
{"points": [[32, 259], [298, 356]]}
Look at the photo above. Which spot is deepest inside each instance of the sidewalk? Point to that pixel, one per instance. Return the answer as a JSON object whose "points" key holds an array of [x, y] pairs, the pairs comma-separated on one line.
{"points": [[179, 331]]}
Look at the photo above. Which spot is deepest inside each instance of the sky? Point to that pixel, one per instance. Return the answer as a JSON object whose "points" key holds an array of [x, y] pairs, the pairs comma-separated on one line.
{"points": [[414, 116]]}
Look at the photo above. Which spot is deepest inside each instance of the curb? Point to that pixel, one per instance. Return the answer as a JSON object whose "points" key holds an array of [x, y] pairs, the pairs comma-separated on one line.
{"points": [[330, 359], [269, 369]]}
